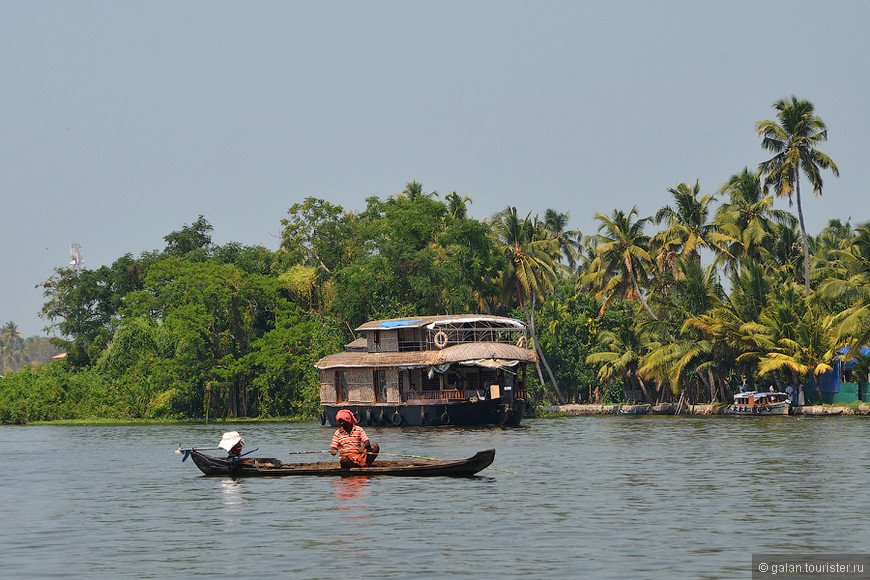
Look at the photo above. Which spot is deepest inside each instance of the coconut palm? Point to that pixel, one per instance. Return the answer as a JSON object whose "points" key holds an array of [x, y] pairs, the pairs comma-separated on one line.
{"points": [[531, 270], [11, 343], [621, 354], [570, 241], [734, 326], [810, 351], [793, 141], [622, 261], [825, 249], [458, 206], [688, 227], [749, 218], [414, 189], [681, 347], [852, 285]]}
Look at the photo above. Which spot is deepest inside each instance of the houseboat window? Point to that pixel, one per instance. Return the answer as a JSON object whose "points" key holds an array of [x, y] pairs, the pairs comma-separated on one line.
{"points": [[377, 338], [340, 386], [380, 384]]}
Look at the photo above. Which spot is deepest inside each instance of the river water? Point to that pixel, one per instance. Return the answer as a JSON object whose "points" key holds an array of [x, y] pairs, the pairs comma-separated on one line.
{"points": [[590, 497]]}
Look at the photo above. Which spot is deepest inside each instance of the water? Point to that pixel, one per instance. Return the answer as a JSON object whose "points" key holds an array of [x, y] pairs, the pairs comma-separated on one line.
{"points": [[592, 497]]}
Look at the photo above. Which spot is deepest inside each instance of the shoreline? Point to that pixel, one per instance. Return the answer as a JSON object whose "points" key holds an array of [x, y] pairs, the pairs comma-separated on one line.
{"points": [[708, 409]]}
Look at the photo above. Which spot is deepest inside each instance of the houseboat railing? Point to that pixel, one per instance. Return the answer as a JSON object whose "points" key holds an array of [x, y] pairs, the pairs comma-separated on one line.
{"points": [[455, 394], [435, 340]]}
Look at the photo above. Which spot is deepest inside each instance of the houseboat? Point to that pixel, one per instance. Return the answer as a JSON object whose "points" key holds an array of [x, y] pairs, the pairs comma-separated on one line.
{"points": [[430, 370], [761, 403]]}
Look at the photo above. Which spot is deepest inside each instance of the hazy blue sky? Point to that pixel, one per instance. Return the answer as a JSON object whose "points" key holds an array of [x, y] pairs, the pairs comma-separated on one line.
{"points": [[121, 122]]}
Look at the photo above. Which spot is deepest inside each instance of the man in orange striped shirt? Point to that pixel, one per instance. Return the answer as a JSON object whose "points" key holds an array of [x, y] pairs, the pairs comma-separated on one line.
{"points": [[351, 442]]}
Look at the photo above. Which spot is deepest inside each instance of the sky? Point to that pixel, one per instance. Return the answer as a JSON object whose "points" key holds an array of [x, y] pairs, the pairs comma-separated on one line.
{"points": [[122, 122]]}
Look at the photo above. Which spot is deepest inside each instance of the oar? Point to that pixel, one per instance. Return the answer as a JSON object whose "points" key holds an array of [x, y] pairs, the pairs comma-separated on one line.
{"points": [[436, 459], [301, 452]]}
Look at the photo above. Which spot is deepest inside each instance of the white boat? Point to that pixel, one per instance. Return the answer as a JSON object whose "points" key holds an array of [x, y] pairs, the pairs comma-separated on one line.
{"points": [[761, 403]]}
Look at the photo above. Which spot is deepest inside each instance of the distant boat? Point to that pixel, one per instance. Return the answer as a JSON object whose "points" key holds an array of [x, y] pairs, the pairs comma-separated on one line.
{"points": [[761, 403], [465, 369]]}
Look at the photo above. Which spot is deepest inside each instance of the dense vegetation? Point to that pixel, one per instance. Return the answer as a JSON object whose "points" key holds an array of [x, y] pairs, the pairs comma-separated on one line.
{"points": [[201, 331]]}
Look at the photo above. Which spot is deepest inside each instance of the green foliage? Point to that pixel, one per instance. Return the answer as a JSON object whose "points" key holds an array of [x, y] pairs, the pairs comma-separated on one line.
{"points": [[52, 392], [199, 331]]}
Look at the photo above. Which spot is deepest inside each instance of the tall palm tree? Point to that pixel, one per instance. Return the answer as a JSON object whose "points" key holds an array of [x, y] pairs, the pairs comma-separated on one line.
{"points": [[622, 261], [793, 141], [531, 270]]}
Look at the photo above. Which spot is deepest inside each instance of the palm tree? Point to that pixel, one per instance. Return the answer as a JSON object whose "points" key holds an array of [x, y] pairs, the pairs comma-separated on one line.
{"points": [[793, 141], [458, 206], [570, 241], [852, 285], [621, 260], [621, 354], [825, 248], [689, 229], [530, 272], [11, 345], [414, 189], [810, 351], [734, 326], [748, 217]]}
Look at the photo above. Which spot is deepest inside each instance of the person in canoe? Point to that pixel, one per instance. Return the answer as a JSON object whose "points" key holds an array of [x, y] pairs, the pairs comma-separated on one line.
{"points": [[351, 442]]}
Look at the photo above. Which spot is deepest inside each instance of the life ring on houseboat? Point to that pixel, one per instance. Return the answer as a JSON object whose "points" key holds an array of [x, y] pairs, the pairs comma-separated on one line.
{"points": [[368, 417], [323, 418], [356, 417], [440, 339], [767, 408], [396, 419], [445, 418], [521, 342]]}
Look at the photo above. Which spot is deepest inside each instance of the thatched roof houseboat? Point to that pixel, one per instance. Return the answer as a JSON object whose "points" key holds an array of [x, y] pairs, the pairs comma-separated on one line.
{"points": [[430, 370]]}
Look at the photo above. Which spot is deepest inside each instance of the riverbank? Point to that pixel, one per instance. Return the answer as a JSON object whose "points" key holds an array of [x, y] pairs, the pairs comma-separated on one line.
{"points": [[715, 409]]}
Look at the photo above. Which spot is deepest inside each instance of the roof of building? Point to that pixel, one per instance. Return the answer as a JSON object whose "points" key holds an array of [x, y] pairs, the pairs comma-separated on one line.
{"points": [[490, 354], [444, 320]]}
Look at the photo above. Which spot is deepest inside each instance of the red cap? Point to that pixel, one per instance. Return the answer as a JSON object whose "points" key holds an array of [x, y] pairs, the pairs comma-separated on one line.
{"points": [[345, 415]]}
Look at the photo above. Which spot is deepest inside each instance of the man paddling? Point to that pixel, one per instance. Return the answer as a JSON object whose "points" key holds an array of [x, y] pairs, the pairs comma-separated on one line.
{"points": [[351, 442]]}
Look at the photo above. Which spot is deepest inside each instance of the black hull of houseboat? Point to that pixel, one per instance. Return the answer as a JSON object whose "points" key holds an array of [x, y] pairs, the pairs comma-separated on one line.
{"points": [[462, 413]]}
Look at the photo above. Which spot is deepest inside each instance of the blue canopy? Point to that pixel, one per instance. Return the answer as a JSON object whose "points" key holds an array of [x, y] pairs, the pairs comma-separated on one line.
{"points": [[396, 323]]}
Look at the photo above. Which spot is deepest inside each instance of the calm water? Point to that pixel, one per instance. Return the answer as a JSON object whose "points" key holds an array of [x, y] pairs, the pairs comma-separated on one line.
{"points": [[594, 497]]}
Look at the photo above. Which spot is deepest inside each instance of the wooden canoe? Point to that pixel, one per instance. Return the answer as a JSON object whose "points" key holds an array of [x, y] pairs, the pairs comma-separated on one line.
{"points": [[264, 467]]}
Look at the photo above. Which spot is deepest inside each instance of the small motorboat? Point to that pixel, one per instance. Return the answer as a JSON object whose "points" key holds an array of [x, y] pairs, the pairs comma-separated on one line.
{"points": [[761, 403]]}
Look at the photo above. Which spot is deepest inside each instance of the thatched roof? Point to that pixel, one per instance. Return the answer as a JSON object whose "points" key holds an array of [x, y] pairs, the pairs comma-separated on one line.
{"points": [[479, 353]]}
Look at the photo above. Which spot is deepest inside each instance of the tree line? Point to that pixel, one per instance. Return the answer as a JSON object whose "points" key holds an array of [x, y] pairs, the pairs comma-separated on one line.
{"points": [[712, 291]]}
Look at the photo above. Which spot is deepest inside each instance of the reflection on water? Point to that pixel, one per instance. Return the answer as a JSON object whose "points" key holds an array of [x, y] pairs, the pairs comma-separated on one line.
{"points": [[350, 488], [594, 497], [231, 492]]}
